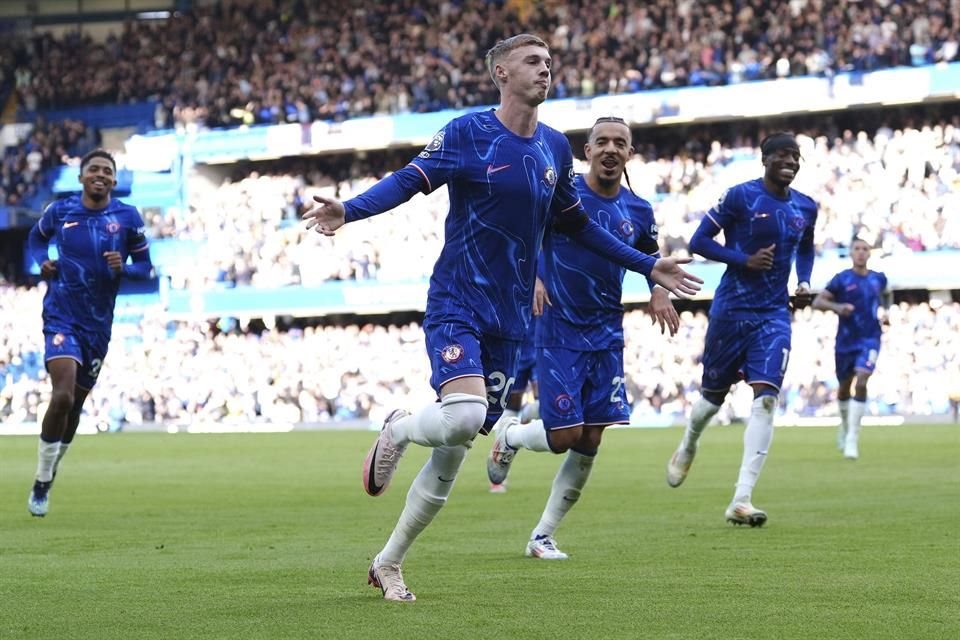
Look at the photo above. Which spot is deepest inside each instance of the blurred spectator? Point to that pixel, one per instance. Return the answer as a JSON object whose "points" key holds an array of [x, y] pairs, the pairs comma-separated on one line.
{"points": [[270, 61], [185, 373], [894, 188]]}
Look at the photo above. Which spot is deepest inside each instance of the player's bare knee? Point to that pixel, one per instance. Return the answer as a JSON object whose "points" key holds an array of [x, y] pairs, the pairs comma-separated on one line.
{"points": [[590, 439], [463, 416], [562, 440], [61, 401], [860, 387]]}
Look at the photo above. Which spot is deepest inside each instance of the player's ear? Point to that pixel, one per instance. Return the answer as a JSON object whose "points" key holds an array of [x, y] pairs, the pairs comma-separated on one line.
{"points": [[501, 73]]}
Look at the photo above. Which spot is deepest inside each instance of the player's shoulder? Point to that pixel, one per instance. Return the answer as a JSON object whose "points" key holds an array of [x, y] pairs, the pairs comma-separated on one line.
{"points": [[62, 205], [554, 138], [483, 119], [734, 194], [119, 207], [639, 206], [803, 199]]}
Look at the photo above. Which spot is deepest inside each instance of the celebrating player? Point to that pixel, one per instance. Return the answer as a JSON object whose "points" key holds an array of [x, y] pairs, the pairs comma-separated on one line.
{"points": [[765, 224], [855, 295], [509, 177], [580, 336], [95, 235]]}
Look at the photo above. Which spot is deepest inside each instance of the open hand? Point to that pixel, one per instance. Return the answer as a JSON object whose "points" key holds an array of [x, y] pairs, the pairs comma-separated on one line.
{"points": [[661, 308], [326, 216], [668, 274]]}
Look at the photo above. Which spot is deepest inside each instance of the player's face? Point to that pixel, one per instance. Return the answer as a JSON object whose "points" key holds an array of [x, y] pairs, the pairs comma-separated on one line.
{"points": [[98, 178], [860, 254], [527, 72], [782, 166], [608, 150]]}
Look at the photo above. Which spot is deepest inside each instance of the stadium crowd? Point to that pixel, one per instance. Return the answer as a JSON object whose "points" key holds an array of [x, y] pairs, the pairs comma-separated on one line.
{"points": [[268, 61], [184, 373], [892, 187], [24, 168]]}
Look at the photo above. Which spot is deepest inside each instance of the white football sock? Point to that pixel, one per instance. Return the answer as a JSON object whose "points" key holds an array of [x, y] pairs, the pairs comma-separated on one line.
{"points": [[700, 414], [569, 481], [426, 497], [46, 459], [531, 435], [756, 442], [64, 446], [844, 420], [453, 421], [854, 419]]}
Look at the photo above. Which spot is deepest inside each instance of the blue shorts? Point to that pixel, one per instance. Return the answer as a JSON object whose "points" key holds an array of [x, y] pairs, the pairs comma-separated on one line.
{"points": [[863, 359], [89, 351], [753, 350], [458, 350], [526, 369], [581, 388]]}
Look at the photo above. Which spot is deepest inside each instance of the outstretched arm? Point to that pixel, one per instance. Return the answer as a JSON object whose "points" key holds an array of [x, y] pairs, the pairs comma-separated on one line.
{"points": [[331, 214], [666, 271]]}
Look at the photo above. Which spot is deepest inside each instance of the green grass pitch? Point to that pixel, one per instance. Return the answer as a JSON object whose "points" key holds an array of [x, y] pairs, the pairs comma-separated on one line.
{"points": [[270, 536]]}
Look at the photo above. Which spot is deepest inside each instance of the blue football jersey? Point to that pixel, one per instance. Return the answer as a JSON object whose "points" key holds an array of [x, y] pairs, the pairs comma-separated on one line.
{"points": [[586, 288], [864, 293], [82, 296], [504, 191], [752, 218]]}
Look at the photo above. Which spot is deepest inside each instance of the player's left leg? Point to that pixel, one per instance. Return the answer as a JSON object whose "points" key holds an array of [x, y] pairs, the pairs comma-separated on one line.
{"points": [[444, 430], [567, 486], [63, 376], [765, 367], [426, 497], [858, 406]]}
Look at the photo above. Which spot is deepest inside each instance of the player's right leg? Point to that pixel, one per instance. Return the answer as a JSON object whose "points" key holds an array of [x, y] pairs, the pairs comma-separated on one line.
{"points": [[845, 363], [722, 356], [562, 418]]}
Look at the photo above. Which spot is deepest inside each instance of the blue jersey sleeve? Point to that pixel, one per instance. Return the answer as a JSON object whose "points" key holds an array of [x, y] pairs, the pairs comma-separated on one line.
{"points": [[648, 235], [138, 248], [566, 198], [835, 286], [432, 168], [806, 251], [38, 241], [440, 159], [721, 217]]}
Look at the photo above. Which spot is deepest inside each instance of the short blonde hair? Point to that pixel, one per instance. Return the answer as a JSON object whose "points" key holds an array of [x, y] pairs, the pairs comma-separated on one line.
{"points": [[504, 47]]}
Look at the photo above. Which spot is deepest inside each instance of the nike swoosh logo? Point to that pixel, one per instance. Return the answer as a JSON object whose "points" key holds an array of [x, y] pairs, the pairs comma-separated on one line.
{"points": [[442, 479], [492, 169], [67, 225]]}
